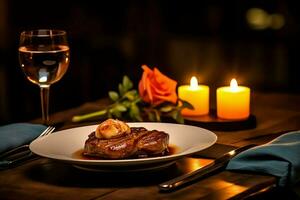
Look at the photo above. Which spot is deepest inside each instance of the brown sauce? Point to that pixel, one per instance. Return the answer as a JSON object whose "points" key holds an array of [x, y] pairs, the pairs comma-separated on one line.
{"points": [[172, 149]]}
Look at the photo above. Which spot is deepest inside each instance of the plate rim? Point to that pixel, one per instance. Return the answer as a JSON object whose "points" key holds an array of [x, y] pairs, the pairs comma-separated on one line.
{"points": [[125, 162]]}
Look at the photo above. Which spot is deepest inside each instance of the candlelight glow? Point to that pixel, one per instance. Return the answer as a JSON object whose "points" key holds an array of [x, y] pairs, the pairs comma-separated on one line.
{"points": [[233, 85], [197, 95], [193, 164], [260, 19], [43, 79], [232, 152], [43, 75], [194, 83], [233, 102]]}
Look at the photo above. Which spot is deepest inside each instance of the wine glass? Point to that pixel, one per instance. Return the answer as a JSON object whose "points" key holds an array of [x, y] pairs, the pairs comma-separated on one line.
{"points": [[44, 57]]}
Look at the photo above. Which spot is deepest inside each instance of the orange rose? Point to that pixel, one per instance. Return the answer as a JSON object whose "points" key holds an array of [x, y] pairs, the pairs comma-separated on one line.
{"points": [[155, 87]]}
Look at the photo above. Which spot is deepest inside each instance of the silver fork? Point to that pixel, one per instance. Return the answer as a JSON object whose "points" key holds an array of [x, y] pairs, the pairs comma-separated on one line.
{"points": [[21, 153]]}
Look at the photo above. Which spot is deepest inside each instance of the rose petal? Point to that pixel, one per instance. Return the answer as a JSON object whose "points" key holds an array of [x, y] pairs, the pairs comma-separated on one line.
{"points": [[147, 72], [149, 91], [172, 97], [164, 81], [155, 87]]}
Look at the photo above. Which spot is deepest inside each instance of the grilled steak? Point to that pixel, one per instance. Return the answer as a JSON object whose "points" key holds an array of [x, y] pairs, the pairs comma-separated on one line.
{"points": [[139, 143]]}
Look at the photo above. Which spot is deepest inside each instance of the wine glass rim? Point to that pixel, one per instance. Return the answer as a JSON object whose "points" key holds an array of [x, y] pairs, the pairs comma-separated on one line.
{"points": [[43, 32]]}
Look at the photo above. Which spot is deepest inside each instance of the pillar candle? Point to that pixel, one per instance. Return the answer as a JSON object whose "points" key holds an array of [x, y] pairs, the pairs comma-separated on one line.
{"points": [[233, 102], [197, 95]]}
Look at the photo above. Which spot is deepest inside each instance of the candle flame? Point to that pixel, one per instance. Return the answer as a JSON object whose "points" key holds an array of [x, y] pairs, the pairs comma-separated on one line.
{"points": [[233, 85], [194, 83]]}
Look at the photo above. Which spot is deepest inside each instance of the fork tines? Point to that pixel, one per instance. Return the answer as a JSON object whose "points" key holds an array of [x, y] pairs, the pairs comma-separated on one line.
{"points": [[47, 131]]}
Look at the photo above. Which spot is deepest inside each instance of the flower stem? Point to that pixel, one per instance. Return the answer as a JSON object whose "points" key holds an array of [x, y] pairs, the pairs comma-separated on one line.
{"points": [[79, 118]]}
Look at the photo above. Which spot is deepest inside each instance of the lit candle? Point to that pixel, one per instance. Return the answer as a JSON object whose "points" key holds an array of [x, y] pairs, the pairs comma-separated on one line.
{"points": [[233, 102], [197, 95]]}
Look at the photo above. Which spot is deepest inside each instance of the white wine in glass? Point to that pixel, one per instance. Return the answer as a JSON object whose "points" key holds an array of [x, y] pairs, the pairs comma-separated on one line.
{"points": [[44, 57]]}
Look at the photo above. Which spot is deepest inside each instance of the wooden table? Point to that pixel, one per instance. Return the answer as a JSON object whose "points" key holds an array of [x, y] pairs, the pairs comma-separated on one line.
{"points": [[47, 179]]}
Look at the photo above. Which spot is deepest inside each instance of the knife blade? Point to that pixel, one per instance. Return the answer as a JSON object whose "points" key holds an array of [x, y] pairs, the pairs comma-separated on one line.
{"points": [[191, 177]]}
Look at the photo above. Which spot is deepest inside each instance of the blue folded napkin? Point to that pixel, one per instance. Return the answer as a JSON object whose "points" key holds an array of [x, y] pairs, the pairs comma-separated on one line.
{"points": [[280, 158], [17, 134]]}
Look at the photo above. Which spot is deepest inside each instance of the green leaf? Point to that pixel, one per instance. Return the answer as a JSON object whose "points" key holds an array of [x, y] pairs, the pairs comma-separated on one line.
{"points": [[113, 112], [113, 95], [126, 103], [176, 115], [121, 89], [180, 119], [120, 108], [117, 114], [166, 108], [137, 99], [186, 104], [131, 95], [151, 116], [134, 112], [157, 115], [127, 84], [139, 118]]}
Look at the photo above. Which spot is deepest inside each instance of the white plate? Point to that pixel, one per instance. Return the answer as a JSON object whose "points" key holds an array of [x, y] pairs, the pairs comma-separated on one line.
{"points": [[62, 145]]}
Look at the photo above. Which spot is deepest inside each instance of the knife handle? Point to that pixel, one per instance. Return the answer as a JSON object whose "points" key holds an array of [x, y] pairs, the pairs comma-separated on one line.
{"points": [[190, 177]]}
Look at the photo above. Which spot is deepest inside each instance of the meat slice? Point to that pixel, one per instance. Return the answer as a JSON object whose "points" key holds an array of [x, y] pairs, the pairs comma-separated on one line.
{"points": [[153, 143], [139, 143], [113, 148]]}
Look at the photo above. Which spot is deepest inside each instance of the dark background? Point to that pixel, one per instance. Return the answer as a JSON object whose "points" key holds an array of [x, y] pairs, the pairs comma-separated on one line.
{"points": [[214, 40]]}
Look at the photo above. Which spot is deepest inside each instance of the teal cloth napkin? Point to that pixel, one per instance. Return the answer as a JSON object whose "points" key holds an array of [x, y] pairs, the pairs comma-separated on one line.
{"points": [[280, 158], [17, 134]]}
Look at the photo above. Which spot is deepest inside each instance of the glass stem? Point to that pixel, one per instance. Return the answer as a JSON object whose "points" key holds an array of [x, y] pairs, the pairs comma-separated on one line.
{"points": [[45, 103]]}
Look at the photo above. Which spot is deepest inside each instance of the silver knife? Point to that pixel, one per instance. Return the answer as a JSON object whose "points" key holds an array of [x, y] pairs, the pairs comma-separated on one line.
{"points": [[189, 178]]}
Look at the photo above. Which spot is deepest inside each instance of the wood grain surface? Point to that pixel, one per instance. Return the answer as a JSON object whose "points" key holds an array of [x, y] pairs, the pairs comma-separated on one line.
{"points": [[47, 179]]}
